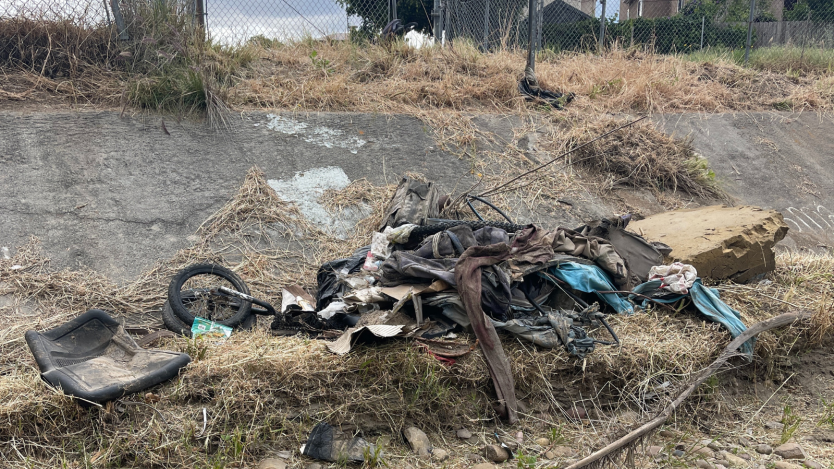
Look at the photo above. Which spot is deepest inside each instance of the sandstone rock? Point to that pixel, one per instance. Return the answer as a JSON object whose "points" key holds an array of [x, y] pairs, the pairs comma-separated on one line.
{"points": [[272, 463], [746, 442], [786, 465], [315, 465], [719, 466], [542, 441], [654, 451], [438, 454], [733, 460], [550, 455], [721, 242], [704, 464], [418, 441], [703, 451], [711, 444], [563, 451], [464, 434], [668, 434], [764, 449], [496, 453], [790, 451], [813, 465], [745, 456], [483, 465]]}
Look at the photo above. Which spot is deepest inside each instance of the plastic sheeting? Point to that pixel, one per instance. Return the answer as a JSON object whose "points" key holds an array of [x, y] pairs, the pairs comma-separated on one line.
{"points": [[591, 279], [708, 302]]}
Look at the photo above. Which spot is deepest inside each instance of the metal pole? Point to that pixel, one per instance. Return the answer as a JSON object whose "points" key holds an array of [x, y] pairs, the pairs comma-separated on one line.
{"points": [[703, 19], [486, 26], [201, 14], [602, 28], [539, 22], [394, 9], [530, 71], [447, 23], [435, 20], [119, 19], [750, 31]]}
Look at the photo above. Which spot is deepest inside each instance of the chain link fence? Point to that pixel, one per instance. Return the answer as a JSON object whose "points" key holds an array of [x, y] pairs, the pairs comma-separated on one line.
{"points": [[667, 26]]}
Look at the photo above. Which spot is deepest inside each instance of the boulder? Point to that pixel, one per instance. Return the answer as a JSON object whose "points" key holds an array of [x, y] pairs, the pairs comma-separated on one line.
{"points": [[721, 242], [790, 451], [418, 441], [496, 453]]}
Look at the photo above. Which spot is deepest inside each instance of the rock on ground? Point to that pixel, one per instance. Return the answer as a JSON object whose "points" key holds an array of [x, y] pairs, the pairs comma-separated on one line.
{"points": [[464, 434], [720, 242], [786, 465], [418, 441], [439, 454], [496, 453], [484, 465], [790, 451], [272, 463], [764, 449]]}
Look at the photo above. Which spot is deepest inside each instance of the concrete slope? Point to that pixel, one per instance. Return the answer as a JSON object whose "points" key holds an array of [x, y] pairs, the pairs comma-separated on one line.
{"points": [[774, 160], [114, 194]]}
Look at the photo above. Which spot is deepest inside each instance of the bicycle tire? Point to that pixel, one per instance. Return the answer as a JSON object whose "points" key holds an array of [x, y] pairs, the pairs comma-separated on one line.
{"points": [[422, 232], [177, 301], [177, 326]]}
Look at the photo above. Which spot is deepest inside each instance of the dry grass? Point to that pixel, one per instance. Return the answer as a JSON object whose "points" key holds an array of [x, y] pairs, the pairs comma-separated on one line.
{"points": [[262, 393]]}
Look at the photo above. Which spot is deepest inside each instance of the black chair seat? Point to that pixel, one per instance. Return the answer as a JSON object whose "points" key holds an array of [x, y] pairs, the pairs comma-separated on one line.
{"points": [[92, 358]]}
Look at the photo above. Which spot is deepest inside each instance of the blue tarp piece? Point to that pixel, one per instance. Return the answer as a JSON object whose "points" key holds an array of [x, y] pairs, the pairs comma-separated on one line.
{"points": [[708, 303], [590, 279]]}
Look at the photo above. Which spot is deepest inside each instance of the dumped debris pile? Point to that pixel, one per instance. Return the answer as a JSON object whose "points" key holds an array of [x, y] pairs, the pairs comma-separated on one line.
{"points": [[270, 391]]}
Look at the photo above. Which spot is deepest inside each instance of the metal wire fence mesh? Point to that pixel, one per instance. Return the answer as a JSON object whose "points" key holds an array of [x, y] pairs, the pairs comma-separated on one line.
{"points": [[667, 26]]}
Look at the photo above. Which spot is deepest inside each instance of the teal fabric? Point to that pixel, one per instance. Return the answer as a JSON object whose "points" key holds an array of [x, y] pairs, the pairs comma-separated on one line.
{"points": [[591, 279], [709, 303]]}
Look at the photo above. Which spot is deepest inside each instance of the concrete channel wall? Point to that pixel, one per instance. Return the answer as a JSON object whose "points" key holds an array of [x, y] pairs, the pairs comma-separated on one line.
{"points": [[116, 193]]}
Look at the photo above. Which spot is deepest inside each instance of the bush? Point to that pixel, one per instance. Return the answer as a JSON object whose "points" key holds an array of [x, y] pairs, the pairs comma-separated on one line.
{"points": [[667, 35]]}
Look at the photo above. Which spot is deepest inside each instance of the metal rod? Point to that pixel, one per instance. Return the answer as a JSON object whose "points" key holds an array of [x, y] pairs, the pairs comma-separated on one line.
{"points": [[484, 201], [750, 31], [602, 28], [531, 43], [703, 19], [486, 26]]}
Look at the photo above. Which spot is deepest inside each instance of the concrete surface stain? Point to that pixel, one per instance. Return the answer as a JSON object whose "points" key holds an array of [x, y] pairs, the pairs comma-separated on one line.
{"points": [[317, 135], [818, 219], [306, 187]]}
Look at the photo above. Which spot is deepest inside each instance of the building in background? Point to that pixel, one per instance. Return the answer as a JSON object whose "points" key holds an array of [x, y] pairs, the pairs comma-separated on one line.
{"points": [[567, 11], [632, 9]]}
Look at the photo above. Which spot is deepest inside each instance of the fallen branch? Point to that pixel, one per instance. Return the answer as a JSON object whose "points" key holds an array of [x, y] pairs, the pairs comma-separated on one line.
{"points": [[729, 351]]}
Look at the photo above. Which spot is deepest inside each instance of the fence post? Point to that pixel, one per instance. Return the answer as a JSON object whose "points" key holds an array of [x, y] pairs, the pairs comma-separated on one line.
{"points": [[435, 20], [447, 23], [539, 23], [530, 71], [750, 31], [703, 19], [201, 13], [602, 28], [486, 27], [119, 19]]}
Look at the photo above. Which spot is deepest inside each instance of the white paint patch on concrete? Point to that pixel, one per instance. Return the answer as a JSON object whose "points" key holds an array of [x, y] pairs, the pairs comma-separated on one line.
{"points": [[306, 187], [317, 135]]}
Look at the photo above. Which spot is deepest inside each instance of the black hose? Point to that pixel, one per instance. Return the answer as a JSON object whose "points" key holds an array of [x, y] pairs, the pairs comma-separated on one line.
{"points": [[479, 199]]}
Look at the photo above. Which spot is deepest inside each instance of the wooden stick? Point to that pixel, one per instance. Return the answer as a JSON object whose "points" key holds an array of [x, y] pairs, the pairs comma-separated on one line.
{"points": [[729, 351]]}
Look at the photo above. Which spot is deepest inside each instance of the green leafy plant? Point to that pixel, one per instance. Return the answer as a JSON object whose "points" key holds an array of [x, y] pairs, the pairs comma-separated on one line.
{"points": [[525, 461], [557, 437], [320, 63], [197, 348], [790, 423], [373, 458]]}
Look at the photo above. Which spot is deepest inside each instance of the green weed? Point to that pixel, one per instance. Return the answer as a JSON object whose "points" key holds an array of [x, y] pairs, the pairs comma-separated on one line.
{"points": [[827, 414], [790, 423]]}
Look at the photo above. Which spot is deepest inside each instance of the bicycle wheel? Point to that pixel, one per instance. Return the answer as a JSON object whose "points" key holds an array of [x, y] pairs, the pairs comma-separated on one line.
{"points": [[192, 293]]}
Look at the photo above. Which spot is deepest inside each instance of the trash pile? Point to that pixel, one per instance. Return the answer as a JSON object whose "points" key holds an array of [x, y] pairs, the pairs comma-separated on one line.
{"points": [[432, 279]]}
